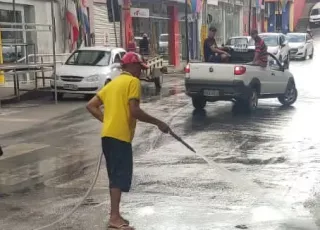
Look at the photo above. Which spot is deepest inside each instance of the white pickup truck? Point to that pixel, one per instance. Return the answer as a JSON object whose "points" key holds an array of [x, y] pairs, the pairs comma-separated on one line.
{"points": [[239, 81]]}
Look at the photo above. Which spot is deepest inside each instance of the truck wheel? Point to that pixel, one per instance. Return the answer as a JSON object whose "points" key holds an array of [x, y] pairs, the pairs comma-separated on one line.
{"points": [[199, 102], [290, 96], [251, 103], [59, 96]]}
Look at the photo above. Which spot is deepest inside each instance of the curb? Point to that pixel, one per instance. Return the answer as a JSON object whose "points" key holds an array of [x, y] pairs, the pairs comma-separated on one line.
{"points": [[30, 95]]}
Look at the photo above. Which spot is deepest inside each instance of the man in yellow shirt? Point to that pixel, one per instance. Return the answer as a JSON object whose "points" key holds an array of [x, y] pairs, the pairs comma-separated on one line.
{"points": [[121, 100]]}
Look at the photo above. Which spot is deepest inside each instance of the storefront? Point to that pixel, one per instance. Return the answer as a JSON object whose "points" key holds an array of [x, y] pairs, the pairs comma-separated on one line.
{"points": [[106, 33], [226, 16], [33, 11], [153, 20], [278, 16]]}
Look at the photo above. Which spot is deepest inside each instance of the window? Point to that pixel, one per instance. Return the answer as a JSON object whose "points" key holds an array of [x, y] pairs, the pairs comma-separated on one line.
{"points": [[117, 58], [315, 12], [122, 54], [89, 58], [270, 40], [297, 38]]}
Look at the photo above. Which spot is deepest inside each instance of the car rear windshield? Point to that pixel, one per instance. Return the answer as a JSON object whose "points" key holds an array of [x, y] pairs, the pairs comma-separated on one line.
{"points": [[296, 38], [89, 58], [270, 40], [315, 12]]}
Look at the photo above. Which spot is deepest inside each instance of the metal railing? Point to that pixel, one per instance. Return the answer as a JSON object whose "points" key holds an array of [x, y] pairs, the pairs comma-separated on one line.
{"points": [[39, 58]]}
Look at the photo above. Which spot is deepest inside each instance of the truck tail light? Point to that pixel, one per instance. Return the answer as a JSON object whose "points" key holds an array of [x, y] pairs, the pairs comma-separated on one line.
{"points": [[239, 70], [187, 68]]}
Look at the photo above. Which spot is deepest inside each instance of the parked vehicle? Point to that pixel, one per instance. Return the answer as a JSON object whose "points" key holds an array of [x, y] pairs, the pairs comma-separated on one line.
{"points": [[163, 44], [314, 18], [278, 46], [301, 45], [86, 70], [239, 81]]}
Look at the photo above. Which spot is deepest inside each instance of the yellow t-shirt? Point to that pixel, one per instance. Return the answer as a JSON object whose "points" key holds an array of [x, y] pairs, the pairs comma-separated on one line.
{"points": [[115, 96]]}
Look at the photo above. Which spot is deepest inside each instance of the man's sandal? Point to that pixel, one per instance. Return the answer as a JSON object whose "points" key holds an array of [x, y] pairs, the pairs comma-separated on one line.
{"points": [[122, 226]]}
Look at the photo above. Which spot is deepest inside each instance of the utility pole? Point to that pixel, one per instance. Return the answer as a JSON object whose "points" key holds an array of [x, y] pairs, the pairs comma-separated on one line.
{"points": [[187, 28], [250, 8], [114, 21]]}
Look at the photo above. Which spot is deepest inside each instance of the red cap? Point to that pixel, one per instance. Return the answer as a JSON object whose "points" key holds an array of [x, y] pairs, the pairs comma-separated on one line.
{"points": [[131, 58]]}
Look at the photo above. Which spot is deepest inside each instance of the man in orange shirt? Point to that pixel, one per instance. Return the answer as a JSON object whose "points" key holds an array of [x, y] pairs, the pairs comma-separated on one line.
{"points": [[121, 100]]}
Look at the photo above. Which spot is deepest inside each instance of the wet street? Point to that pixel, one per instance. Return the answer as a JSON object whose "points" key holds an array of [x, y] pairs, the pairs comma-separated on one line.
{"points": [[257, 172]]}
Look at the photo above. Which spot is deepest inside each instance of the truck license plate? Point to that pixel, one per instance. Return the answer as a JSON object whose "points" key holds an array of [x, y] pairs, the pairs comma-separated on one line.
{"points": [[70, 87], [211, 93]]}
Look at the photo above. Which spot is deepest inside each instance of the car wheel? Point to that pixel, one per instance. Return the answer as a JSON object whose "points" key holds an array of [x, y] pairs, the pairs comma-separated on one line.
{"points": [[199, 102], [290, 96], [311, 55], [59, 96], [305, 55]]}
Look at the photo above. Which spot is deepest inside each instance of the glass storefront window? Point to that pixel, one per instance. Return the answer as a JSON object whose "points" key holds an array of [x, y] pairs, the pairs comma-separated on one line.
{"points": [[232, 20], [156, 27], [11, 37], [216, 14]]}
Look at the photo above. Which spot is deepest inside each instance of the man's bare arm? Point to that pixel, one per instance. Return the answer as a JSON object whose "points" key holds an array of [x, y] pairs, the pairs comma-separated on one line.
{"points": [[217, 50], [93, 107], [140, 115]]}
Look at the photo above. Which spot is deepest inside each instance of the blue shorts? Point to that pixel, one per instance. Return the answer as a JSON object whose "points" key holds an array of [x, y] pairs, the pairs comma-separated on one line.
{"points": [[119, 160], [216, 58]]}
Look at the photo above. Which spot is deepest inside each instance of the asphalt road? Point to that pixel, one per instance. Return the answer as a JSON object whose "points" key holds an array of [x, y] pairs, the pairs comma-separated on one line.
{"points": [[259, 171]]}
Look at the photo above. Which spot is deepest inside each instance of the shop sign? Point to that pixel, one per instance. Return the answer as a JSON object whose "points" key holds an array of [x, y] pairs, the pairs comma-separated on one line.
{"points": [[139, 12]]}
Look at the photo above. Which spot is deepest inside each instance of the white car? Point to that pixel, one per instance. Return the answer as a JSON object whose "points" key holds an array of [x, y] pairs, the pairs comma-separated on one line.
{"points": [[87, 69], [314, 19], [163, 43], [239, 81], [240, 40], [278, 46], [301, 45]]}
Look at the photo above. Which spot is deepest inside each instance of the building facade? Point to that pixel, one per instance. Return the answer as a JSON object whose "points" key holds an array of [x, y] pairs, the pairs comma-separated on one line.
{"points": [[278, 15], [69, 29], [227, 17]]}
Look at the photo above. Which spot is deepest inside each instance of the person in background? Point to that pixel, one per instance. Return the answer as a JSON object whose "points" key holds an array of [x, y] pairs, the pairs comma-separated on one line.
{"points": [[309, 32], [261, 50], [144, 45], [210, 49], [121, 100]]}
